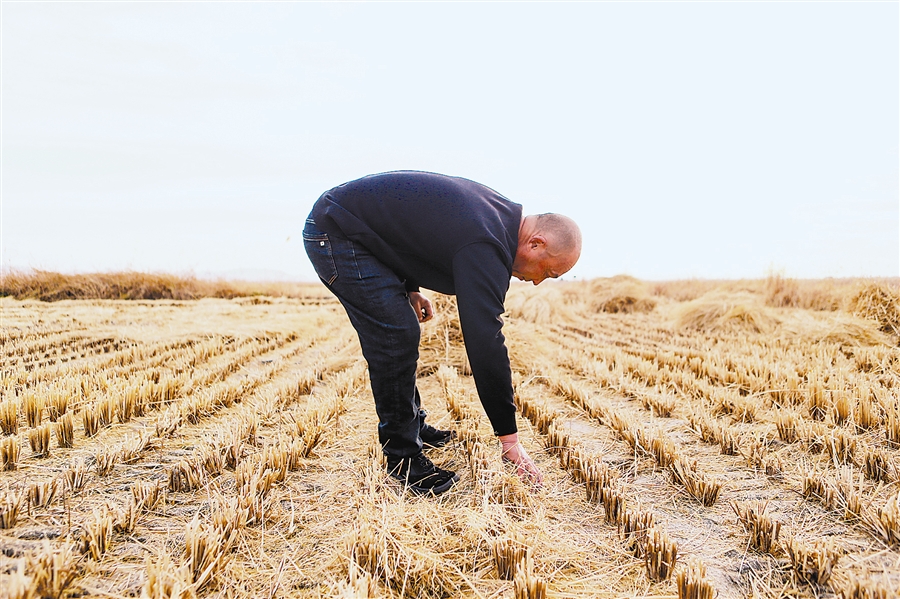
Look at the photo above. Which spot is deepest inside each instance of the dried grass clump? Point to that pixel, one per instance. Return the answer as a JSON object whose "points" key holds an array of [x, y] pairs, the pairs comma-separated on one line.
{"points": [[75, 475], [634, 528], [42, 494], [65, 431], [544, 305], [52, 570], [185, 476], [692, 583], [718, 312], [788, 423], [528, 586], [511, 554], [206, 549], [866, 415], [892, 426], [105, 461], [659, 404], [614, 503], [9, 417], [90, 418], [596, 476], [841, 446], [165, 580], [813, 563], [96, 533], [39, 439], [879, 302], [878, 466], [148, 495], [702, 487], [309, 431], [58, 404], [867, 589], [620, 294], [51, 286], [9, 453], [661, 555], [10, 506], [755, 520], [133, 447], [885, 520], [33, 406]]}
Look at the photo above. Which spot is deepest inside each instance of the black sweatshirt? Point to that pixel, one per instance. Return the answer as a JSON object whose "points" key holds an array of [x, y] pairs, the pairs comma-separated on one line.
{"points": [[448, 234]]}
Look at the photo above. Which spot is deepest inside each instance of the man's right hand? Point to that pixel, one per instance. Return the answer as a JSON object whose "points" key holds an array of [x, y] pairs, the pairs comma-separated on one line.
{"points": [[514, 453]]}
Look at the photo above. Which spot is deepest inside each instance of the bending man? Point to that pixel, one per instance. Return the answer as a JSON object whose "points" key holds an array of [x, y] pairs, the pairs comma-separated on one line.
{"points": [[376, 240]]}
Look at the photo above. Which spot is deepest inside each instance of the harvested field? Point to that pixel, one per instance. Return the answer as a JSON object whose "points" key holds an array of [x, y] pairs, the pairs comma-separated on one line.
{"points": [[737, 439]]}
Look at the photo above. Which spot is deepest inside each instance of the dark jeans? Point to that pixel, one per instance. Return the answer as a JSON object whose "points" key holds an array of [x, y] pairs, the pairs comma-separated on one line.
{"points": [[376, 302]]}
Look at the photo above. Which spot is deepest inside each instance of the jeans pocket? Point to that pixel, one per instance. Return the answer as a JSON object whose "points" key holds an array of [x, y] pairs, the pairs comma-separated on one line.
{"points": [[318, 248]]}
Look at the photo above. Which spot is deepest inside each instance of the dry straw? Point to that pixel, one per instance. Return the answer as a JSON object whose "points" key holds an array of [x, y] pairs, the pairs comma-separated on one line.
{"points": [[755, 520], [75, 475], [53, 570], [96, 533], [39, 439], [885, 520], [105, 460], [702, 487], [65, 431], [206, 549], [528, 586], [660, 556], [813, 563], [9, 417], [41, 494], [510, 555], [10, 506], [867, 589], [9, 453], [634, 528], [33, 406], [692, 583]]}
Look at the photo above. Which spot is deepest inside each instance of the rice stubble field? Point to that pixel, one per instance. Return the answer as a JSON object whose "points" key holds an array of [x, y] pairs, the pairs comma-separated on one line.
{"points": [[697, 440]]}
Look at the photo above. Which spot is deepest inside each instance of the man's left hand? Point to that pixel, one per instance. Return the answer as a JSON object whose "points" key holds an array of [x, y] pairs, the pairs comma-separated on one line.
{"points": [[422, 306]]}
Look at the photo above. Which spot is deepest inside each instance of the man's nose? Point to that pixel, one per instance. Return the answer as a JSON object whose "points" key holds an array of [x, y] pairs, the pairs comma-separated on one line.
{"points": [[537, 281]]}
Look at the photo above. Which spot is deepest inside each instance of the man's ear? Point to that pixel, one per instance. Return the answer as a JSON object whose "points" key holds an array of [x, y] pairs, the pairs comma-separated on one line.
{"points": [[537, 240]]}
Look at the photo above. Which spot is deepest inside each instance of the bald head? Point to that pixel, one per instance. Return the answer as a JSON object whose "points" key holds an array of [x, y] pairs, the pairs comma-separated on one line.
{"points": [[549, 246], [563, 234]]}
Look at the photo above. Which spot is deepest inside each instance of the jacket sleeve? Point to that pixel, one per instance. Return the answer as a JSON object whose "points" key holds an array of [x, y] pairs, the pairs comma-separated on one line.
{"points": [[481, 278]]}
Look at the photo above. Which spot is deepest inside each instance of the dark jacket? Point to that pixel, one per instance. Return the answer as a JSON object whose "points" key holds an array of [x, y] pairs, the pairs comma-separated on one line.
{"points": [[448, 234]]}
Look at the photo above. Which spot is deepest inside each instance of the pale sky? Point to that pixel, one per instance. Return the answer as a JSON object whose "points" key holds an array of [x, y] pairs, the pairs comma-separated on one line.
{"points": [[712, 140]]}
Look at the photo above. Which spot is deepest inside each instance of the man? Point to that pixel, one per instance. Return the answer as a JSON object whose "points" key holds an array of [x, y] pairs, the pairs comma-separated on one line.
{"points": [[376, 240]]}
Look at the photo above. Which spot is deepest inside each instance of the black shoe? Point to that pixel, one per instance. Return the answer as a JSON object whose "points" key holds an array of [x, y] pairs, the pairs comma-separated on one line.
{"points": [[435, 437], [420, 475]]}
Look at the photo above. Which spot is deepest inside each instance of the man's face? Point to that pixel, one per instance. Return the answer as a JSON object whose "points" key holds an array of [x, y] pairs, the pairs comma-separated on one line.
{"points": [[535, 263]]}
